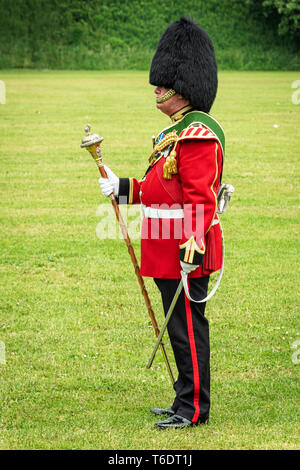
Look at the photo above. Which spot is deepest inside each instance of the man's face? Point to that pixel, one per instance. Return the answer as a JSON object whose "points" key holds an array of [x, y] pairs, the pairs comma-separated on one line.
{"points": [[173, 104]]}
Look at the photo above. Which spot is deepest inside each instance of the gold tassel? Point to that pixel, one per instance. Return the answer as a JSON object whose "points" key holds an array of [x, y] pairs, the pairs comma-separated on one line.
{"points": [[170, 166]]}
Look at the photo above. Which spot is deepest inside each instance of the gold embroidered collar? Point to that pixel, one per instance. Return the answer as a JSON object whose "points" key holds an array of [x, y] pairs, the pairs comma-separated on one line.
{"points": [[179, 114]]}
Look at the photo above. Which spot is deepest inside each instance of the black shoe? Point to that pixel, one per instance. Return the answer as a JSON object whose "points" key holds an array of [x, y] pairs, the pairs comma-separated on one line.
{"points": [[162, 411], [203, 420], [174, 421]]}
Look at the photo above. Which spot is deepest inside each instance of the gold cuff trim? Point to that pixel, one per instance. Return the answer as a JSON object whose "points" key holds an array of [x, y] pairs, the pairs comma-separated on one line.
{"points": [[190, 247], [130, 196]]}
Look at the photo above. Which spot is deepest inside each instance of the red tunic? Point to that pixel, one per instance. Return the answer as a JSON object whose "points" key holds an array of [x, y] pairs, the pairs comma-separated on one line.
{"points": [[194, 188]]}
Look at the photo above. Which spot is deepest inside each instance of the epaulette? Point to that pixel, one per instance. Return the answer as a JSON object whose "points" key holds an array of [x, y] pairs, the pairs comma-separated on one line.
{"points": [[197, 130]]}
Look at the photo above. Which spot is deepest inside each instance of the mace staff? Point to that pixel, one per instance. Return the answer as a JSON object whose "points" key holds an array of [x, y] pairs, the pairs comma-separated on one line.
{"points": [[92, 143]]}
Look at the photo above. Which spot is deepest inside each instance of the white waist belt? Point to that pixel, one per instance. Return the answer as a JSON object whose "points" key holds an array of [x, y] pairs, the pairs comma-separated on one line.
{"points": [[153, 213]]}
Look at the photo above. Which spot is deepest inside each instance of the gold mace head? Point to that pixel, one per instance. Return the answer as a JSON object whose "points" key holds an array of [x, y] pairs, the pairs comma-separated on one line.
{"points": [[92, 143]]}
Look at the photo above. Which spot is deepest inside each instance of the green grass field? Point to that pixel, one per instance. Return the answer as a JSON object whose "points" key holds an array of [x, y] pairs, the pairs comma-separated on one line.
{"points": [[76, 332]]}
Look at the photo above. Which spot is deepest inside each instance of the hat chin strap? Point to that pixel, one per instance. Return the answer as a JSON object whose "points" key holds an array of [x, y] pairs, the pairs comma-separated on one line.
{"points": [[166, 96]]}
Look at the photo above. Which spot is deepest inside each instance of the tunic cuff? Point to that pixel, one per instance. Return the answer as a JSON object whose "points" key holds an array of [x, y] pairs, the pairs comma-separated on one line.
{"points": [[124, 191]]}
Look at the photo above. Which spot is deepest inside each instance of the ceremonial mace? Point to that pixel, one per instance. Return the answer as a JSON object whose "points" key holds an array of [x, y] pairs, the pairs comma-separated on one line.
{"points": [[92, 143]]}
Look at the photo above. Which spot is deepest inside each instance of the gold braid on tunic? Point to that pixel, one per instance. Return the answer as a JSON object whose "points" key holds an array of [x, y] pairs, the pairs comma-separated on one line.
{"points": [[170, 166]]}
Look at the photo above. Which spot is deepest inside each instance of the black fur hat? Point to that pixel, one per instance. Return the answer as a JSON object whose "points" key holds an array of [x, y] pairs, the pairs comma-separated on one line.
{"points": [[185, 61]]}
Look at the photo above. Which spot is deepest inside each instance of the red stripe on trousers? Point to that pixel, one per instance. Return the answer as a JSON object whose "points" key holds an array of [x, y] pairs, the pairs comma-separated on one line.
{"points": [[194, 358]]}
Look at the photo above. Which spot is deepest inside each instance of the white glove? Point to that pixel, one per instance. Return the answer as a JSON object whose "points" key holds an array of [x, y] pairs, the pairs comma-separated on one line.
{"points": [[188, 267], [110, 184]]}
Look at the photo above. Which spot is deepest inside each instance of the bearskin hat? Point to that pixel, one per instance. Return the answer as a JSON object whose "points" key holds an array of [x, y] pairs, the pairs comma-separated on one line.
{"points": [[185, 61]]}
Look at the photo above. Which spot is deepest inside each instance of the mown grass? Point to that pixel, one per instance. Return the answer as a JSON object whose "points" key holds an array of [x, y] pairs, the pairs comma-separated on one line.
{"points": [[74, 324]]}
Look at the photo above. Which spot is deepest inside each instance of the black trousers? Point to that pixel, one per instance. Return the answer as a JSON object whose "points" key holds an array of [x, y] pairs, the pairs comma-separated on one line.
{"points": [[189, 335]]}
